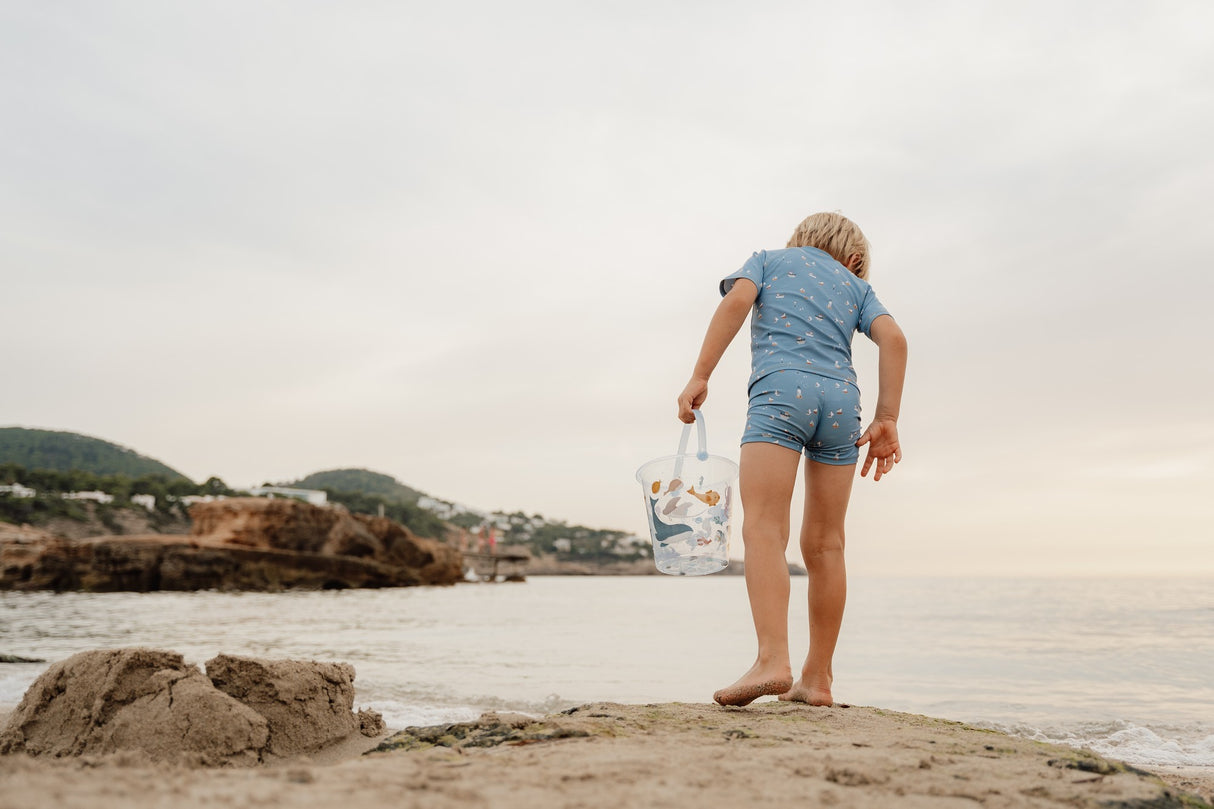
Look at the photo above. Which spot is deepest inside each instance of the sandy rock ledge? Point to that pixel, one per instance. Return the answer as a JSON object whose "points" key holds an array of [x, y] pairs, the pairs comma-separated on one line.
{"points": [[612, 756], [768, 754]]}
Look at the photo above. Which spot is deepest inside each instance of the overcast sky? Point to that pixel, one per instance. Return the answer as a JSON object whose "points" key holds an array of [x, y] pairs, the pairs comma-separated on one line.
{"points": [[475, 246]]}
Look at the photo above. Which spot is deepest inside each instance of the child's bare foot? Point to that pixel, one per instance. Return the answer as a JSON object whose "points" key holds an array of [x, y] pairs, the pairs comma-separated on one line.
{"points": [[810, 694], [758, 682]]}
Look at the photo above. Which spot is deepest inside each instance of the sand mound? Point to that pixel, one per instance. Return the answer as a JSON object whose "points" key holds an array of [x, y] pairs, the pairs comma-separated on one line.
{"points": [[132, 699], [308, 705], [150, 701]]}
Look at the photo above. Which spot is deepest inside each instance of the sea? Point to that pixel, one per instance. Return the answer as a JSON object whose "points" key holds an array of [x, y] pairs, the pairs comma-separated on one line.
{"points": [[1123, 666]]}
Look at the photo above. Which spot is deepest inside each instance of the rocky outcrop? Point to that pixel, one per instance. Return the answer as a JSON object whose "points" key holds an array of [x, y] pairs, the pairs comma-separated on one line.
{"points": [[290, 525], [94, 519], [235, 544], [242, 711]]}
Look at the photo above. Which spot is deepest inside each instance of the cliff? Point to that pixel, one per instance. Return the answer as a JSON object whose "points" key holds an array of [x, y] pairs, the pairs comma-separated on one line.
{"points": [[235, 544]]}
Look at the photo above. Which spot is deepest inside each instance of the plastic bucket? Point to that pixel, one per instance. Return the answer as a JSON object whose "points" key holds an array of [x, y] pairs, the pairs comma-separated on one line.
{"points": [[688, 503]]}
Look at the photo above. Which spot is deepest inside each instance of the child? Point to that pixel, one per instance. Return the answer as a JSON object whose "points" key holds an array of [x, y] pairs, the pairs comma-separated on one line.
{"points": [[807, 300]]}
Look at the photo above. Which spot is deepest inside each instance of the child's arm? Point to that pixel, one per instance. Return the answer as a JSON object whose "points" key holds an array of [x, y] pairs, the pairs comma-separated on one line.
{"points": [[726, 321], [882, 435]]}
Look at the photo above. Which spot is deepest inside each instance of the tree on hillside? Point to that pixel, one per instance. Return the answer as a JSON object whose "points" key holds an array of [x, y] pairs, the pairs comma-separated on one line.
{"points": [[359, 480], [215, 486], [414, 517], [64, 452]]}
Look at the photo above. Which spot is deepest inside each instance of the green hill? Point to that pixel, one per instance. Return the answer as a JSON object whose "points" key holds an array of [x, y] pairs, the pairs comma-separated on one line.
{"points": [[360, 480], [64, 452], [366, 492]]}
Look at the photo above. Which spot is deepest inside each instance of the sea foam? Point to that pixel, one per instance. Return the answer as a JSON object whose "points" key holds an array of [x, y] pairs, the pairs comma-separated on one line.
{"points": [[1171, 745]]}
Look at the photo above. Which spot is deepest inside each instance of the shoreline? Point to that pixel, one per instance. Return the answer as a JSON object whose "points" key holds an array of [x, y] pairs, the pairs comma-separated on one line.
{"points": [[659, 754]]}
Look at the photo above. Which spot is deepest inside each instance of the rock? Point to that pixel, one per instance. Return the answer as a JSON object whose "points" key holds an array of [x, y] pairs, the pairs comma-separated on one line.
{"points": [[243, 711], [291, 525], [308, 705], [132, 699], [279, 523], [38, 563], [491, 730], [370, 723], [235, 544]]}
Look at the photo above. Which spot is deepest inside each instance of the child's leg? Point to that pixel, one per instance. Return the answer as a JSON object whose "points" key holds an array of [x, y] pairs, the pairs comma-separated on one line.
{"points": [[827, 491], [768, 473]]}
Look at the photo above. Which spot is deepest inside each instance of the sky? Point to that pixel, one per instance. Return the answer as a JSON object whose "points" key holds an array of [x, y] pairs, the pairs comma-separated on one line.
{"points": [[475, 246]]}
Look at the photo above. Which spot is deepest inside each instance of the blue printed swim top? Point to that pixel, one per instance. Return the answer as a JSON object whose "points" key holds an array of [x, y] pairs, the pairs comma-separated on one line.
{"points": [[808, 308]]}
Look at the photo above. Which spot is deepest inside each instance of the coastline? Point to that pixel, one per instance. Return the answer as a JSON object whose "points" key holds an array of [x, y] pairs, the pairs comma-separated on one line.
{"points": [[609, 754]]}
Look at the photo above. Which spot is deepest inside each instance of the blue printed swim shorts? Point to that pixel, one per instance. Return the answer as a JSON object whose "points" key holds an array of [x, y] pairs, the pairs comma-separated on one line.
{"points": [[805, 412]]}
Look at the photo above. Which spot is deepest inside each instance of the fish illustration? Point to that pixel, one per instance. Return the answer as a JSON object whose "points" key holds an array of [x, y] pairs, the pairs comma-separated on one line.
{"points": [[678, 505]]}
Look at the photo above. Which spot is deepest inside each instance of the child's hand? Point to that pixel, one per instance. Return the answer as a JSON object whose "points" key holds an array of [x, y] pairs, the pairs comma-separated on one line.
{"points": [[883, 448], [691, 398]]}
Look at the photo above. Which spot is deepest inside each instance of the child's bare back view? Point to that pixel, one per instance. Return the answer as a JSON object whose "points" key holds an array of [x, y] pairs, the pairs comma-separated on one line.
{"points": [[805, 301]]}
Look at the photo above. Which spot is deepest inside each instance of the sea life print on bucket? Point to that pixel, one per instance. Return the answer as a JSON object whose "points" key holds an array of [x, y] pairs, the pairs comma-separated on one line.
{"points": [[688, 501]]}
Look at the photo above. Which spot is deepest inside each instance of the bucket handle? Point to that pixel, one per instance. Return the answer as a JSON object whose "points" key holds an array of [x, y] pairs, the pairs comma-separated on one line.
{"points": [[701, 434]]}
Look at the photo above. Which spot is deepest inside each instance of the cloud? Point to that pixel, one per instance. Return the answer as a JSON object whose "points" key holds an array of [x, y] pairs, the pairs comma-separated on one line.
{"points": [[476, 246]]}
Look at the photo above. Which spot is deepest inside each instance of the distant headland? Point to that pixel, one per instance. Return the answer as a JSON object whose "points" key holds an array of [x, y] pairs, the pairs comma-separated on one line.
{"points": [[60, 487]]}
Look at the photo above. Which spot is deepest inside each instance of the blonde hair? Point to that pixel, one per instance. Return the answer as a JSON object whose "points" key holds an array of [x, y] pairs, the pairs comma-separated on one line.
{"points": [[837, 235]]}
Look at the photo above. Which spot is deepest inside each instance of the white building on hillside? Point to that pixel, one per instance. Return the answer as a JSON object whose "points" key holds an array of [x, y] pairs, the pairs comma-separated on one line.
{"points": [[191, 499], [95, 496], [443, 510], [17, 490], [148, 501], [313, 496], [629, 544]]}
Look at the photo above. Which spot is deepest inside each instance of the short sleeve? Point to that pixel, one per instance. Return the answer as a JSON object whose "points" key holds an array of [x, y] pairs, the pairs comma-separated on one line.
{"points": [[870, 309], [752, 271]]}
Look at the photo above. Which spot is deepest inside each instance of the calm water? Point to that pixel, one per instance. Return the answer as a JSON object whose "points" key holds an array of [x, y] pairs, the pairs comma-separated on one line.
{"points": [[1125, 666]]}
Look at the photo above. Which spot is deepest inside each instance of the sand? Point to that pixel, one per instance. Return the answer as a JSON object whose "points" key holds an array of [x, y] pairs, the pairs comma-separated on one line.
{"points": [[605, 754]]}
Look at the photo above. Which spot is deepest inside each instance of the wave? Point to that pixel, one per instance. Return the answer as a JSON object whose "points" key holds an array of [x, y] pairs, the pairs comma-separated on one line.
{"points": [[1190, 745], [399, 715]]}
